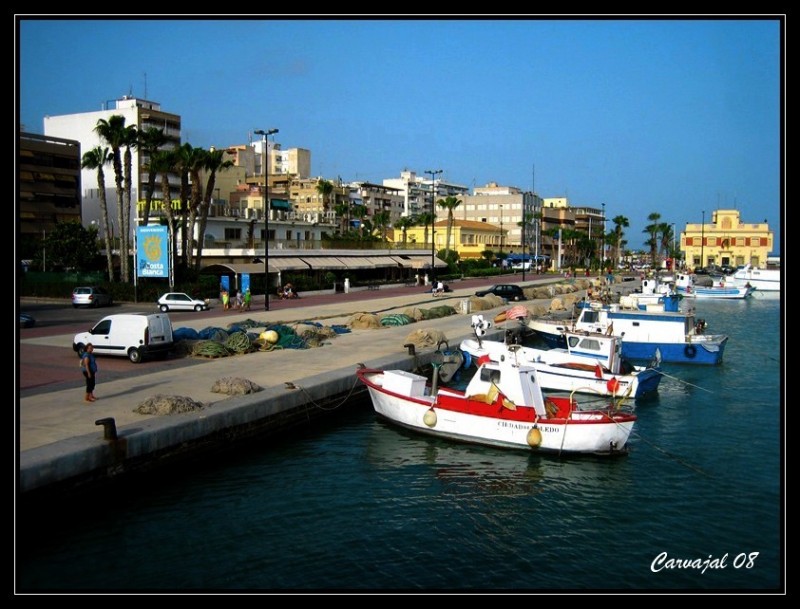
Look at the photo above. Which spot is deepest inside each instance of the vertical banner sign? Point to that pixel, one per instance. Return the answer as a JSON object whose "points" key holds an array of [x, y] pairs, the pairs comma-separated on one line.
{"points": [[152, 252], [245, 282]]}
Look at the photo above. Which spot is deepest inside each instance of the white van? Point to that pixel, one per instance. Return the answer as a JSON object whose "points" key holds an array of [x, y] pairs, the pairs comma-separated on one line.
{"points": [[132, 335]]}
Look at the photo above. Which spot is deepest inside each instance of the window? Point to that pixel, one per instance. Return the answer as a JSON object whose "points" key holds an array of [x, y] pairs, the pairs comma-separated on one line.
{"points": [[232, 234]]}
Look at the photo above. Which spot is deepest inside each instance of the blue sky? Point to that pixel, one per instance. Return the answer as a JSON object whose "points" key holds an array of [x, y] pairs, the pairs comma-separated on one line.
{"points": [[673, 116]]}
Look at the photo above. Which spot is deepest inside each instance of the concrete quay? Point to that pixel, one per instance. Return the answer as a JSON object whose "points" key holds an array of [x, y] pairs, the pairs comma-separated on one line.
{"points": [[64, 442]]}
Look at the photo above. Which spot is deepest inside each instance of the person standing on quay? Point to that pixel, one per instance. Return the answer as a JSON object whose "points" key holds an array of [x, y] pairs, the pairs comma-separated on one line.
{"points": [[89, 369]]}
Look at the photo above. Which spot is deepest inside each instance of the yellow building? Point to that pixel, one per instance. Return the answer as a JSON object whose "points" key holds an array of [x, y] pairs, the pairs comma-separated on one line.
{"points": [[467, 237], [726, 241]]}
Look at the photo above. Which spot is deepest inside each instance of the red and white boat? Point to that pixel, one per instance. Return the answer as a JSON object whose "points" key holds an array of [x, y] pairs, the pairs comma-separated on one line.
{"points": [[502, 406]]}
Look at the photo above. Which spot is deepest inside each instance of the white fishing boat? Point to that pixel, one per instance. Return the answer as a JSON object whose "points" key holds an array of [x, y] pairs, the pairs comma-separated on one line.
{"points": [[719, 289], [590, 363], [763, 280], [502, 406]]}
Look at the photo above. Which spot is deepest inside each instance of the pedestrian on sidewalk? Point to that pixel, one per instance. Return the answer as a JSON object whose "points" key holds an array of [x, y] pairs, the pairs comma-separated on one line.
{"points": [[89, 370]]}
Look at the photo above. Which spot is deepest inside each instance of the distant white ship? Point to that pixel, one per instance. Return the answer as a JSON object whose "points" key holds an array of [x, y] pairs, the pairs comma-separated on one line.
{"points": [[767, 282]]}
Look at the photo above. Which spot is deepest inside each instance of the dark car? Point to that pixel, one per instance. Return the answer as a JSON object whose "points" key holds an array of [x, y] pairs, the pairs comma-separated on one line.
{"points": [[509, 291], [91, 296], [26, 321]]}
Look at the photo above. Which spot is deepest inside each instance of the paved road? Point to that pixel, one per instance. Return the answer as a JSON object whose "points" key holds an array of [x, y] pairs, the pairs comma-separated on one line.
{"points": [[47, 362]]}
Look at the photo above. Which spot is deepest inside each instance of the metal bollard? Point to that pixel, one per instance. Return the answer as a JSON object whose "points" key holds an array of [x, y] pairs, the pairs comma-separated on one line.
{"points": [[109, 428], [411, 349]]}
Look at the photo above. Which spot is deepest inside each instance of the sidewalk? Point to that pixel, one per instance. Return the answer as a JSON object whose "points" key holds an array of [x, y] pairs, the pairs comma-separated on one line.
{"points": [[56, 425]]}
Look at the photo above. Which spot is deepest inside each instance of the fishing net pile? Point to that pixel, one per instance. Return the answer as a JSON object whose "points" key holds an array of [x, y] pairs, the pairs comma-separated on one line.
{"points": [[168, 404], [234, 386], [426, 338]]}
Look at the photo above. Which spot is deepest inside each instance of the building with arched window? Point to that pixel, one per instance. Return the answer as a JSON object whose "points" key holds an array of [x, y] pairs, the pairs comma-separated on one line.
{"points": [[726, 241]]}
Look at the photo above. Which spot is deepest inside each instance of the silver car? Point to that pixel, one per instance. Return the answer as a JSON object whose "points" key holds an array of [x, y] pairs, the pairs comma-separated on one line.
{"points": [[91, 296]]}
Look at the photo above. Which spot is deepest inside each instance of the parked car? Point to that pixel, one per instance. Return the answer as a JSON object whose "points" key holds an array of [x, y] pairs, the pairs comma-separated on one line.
{"points": [[178, 301], [91, 296], [509, 291], [26, 321], [131, 335]]}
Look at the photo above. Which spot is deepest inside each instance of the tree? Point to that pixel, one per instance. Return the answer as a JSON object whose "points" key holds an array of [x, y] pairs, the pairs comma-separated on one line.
{"points": [[381, 220], [426, 219], [150, 141], [196, 162], [343, 213], [665, 243], [450, 203], [112, 132], [620, 222], [71, 246], [97, 158], [165, 162], [404, 223], [130, 138], [325, 189], [652, 230], [214, 162], [184, 159]]}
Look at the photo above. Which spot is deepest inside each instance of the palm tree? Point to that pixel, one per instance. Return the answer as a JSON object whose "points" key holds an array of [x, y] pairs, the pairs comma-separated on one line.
{"points": [[130, 140], [652, 230], [184, 159], [620, 222], [324, 188], [381, 220], [343, 213], [165, 162], [197, 162], [214, 162], [97, 158], [150, 141], [112, 132], [404, 223], [426, 219], [665, 229], [450, 203], [358, 212]]}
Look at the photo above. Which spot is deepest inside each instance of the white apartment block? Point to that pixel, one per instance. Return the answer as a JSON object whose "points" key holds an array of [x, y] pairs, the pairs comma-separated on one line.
{"points": [[143, 114]]}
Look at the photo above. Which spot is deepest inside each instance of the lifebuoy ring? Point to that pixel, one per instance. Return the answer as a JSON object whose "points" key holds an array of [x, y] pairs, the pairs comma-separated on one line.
{"points": [[690, 351]]}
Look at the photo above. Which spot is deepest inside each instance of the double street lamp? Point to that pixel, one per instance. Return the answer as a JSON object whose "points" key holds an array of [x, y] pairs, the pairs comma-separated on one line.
{"points": [[433, 174], [265, 171]]}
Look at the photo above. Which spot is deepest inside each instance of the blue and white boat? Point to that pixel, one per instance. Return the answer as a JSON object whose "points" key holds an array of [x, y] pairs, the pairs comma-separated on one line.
{"points": [[720, 288], [678, 336]]}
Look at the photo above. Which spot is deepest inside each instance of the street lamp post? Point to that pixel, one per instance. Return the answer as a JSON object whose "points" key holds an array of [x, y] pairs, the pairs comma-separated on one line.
{"points": [[702, 239], [433, 174], [501, 229], [603, 240], [265, 171]]}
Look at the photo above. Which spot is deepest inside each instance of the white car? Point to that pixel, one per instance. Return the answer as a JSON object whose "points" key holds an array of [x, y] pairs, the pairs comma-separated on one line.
{"points": [[178, 301]]}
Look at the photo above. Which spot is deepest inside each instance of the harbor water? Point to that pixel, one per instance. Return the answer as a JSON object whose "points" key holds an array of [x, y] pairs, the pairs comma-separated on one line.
{"points": [[355, 504]]}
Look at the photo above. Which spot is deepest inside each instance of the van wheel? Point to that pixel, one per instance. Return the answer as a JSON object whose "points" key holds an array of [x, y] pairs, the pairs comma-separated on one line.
{"points": [[79, 349], [134, 355]]}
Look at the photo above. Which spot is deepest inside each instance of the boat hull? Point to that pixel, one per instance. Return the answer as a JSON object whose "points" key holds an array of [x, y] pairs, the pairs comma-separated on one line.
{"points": [[444, 416]]}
